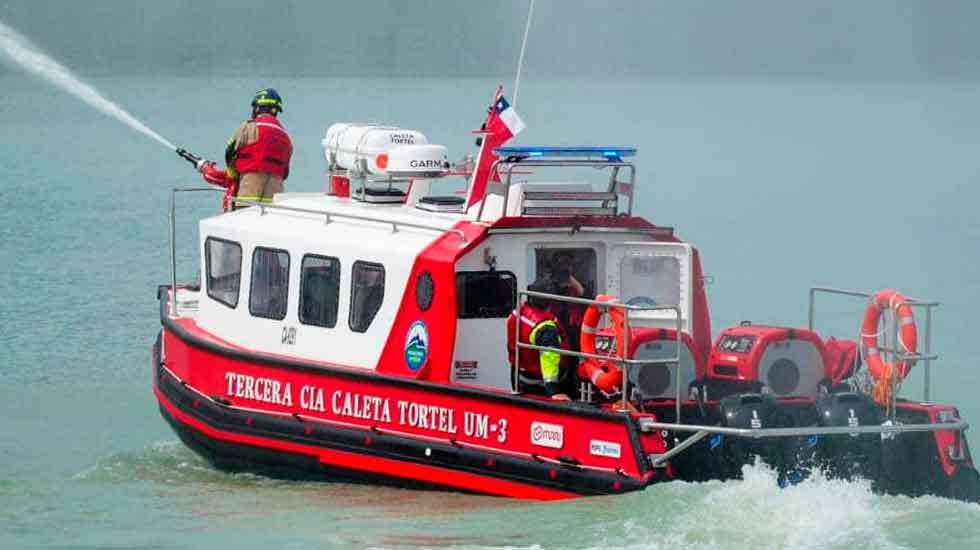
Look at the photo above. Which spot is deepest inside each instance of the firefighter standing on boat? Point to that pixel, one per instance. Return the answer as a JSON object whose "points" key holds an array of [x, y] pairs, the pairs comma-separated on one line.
{"points": [[257, 155], [539, 327], [259, 151]]}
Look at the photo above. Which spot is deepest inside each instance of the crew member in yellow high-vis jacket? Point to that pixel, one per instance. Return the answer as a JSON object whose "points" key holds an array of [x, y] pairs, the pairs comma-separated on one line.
{"points": [[539, 327]]}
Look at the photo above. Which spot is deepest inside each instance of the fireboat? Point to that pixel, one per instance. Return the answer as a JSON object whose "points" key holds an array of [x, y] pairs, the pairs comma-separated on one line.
{"points": [[361, 335]]}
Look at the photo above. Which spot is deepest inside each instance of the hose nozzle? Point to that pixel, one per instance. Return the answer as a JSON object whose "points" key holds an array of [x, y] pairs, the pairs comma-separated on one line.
{"points": [[189, 157]]}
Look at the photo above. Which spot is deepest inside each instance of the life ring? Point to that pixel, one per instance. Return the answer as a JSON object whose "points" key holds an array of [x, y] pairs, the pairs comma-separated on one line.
{"points": [[590, 321], [604, 374], [907, 335]]}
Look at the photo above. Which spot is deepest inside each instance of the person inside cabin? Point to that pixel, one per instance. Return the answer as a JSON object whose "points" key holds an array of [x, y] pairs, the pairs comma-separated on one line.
{"points": [[259, 151], [566, 284], [563, 274], [539, 370]]}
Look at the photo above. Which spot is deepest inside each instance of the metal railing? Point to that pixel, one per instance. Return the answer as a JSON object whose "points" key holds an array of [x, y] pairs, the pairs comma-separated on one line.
{"points": [[622, 356], [658, 232], [505, 168], [648, 424], [896, 355], [330, 215], [173, 236], [701, 431]]}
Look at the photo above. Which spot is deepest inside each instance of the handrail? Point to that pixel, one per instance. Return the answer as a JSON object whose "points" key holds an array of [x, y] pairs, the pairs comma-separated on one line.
{"points": [[700, 431], [173, 235], [859, 294], [926, 356], [575, 227], [760, 433], [328, 215], [509, 164], [621, 359]]}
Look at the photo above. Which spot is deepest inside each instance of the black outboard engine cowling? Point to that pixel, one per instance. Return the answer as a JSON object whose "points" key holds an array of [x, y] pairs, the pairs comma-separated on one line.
{"points": [[753, 411], [849, 455]]}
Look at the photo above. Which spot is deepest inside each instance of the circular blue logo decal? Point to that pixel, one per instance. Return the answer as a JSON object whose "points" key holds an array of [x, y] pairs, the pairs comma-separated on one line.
{"points": [[416, 345]]}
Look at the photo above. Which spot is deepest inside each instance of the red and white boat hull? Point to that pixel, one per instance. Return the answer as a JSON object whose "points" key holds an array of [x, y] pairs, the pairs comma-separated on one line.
{"points": [[277, 415]]}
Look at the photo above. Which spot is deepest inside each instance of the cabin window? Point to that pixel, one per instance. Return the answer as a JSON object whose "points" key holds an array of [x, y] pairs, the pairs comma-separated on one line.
{"points": [[367, 293], [485, 294], [651, 280], [320, 291], [223, 261], [270, 283], [569, 271]]}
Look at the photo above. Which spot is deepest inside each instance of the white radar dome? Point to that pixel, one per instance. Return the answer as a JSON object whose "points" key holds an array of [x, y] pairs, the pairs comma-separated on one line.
{"points": [[420, 161]]}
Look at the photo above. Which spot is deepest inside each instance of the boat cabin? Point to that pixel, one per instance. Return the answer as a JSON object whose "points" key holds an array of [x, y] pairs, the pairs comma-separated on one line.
{"points": [[383, 274]]}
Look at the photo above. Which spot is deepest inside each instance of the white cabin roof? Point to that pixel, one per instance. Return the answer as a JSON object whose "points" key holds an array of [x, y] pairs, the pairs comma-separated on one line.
{"points": [[317, 215]]}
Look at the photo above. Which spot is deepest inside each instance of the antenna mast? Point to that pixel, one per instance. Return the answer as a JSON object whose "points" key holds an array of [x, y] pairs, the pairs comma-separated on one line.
{"points": [[520, 59]]}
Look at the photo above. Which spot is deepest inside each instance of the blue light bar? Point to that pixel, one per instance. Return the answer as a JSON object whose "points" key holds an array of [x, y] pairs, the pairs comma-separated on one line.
{"points": [[610, 153]]}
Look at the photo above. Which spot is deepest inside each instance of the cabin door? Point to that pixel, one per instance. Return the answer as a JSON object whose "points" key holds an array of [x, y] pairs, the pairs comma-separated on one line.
{"points": [[652, 273], [484, 300]]}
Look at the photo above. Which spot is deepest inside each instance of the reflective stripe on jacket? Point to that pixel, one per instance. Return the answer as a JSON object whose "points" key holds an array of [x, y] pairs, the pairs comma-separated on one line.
{"points": [[544, 364], [550, 360]]}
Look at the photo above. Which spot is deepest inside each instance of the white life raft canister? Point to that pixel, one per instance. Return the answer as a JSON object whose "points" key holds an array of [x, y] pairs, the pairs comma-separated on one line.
{"points": [[365, 147]]}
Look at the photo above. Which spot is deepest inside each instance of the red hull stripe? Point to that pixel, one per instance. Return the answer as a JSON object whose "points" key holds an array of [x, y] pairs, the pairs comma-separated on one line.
{"points": [[375, 465]]}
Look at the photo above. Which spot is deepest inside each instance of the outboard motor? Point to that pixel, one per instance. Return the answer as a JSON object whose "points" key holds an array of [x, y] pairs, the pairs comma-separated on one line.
{"points": [[791, 457], [849, 455], [754, 411]]}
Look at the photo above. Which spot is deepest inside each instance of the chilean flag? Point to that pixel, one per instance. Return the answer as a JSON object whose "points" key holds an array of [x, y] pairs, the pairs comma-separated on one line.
{"points": [[504, 120], [501, 125]]}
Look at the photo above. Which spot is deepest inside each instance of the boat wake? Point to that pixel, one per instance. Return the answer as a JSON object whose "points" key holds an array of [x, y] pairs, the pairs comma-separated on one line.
{"points": [[163, 461], [818, 512], [173, 464]]}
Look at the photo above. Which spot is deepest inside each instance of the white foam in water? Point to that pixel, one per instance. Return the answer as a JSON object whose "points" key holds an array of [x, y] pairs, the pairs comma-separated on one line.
{"points": [[816, 513], [21, 51], [754, 512]]}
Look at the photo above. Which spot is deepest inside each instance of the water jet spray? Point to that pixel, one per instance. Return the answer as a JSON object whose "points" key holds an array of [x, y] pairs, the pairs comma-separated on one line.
{"points": [[23, 53]]}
